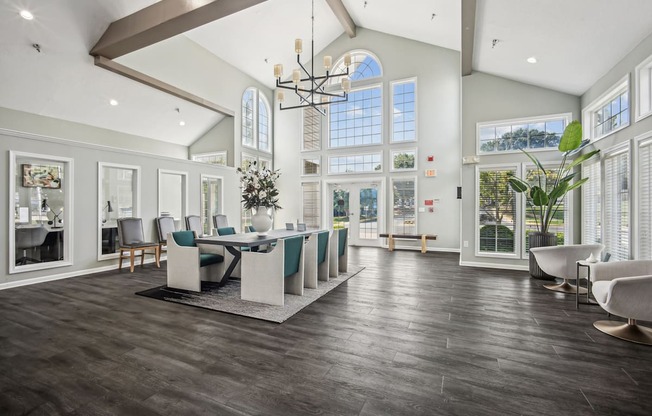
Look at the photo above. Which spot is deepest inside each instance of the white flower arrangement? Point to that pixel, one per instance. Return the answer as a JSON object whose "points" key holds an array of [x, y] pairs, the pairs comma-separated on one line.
{"points": [[259, 187]]}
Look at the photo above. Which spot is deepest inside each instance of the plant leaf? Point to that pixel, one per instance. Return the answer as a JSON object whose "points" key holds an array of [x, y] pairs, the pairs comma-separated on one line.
{"points": [[577, 184], [535, 161], [583, 158], [518, 185], [572, 137], [559, 191], [539, 196]]}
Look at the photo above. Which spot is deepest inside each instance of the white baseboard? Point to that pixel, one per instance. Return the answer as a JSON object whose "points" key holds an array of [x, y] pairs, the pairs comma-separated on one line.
{"points": [[43, 279], [494, 265]]}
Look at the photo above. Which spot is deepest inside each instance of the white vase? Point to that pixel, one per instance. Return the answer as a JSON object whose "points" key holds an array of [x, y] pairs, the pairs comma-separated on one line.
{"points": [[261, 220]]}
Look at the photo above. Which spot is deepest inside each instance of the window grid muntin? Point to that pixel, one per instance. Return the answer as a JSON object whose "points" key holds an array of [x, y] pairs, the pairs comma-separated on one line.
{"points": [[612, 115], [359, 163], [263, 125], [521, 134], [248, 138], [216, 158], [404, 111], [364, 65], [361, 128]]}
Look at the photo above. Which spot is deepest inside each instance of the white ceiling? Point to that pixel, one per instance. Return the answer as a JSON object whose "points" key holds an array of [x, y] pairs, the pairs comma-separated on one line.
{"points": [[575, 42]]}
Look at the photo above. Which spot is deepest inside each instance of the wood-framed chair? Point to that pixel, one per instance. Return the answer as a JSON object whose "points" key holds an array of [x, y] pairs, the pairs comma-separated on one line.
{"points": [[267, 276], [220, 221], [132, 240], [188, 264], [316, 259], [193, 223], [164, 226]]}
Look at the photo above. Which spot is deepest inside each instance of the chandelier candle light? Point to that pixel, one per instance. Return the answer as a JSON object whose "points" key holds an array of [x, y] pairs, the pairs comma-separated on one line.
{"points": [[310, 90]]}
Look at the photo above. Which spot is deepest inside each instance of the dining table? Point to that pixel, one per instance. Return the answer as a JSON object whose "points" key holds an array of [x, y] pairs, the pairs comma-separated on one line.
{"points": [[233, 243]]}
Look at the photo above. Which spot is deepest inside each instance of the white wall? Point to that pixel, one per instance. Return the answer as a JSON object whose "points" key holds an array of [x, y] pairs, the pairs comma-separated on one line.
{"points": [[438, 117], [86, 157], [489, 98]]}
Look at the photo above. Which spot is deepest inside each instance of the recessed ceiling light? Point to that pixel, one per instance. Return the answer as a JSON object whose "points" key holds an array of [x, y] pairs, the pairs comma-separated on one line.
{"points": [[182, 123], [113, 102], [532, 60], [25, 14]]}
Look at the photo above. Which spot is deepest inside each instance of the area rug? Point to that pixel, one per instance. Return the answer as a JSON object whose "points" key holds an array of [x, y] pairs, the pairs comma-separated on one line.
{"points": [[227, 298]]}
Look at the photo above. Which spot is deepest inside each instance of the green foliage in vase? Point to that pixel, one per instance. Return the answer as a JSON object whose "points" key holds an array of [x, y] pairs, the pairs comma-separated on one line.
{"points": [[552, 185], [259, 187]]}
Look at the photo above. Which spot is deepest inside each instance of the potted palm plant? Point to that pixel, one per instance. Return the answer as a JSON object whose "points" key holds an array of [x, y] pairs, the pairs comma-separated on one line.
{"points": [[546, 192]]}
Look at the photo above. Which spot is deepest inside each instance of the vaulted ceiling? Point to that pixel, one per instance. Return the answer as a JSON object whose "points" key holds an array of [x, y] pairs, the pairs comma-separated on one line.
{"points": [[575, 43]]}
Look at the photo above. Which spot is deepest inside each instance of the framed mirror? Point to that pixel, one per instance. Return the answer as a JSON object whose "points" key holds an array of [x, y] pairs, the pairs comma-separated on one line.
{"points": [[40, 226], [118, 197], [173, 196], [211, 200]]}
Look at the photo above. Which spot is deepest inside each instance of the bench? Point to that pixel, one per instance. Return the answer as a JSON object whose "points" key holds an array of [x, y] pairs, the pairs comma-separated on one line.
{"points": [[423, 237]]}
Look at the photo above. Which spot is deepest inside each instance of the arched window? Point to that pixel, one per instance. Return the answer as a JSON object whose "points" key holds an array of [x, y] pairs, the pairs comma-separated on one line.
{"points": [[364, 65], [256, 126]]}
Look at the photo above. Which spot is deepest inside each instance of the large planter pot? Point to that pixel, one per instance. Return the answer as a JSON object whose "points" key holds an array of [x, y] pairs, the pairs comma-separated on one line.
{"points": [[261, 220], [538, 239]]}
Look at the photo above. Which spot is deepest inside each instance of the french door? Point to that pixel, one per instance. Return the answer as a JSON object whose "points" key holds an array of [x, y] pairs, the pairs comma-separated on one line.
{"points": [[358, 207]]}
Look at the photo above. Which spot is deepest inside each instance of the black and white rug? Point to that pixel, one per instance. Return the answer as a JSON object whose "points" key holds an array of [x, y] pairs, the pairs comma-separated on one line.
{"points": [[227, 298]]}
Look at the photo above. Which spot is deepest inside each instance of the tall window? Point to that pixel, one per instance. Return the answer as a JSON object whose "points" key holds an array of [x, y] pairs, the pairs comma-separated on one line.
{"points": [[210, 200], [357, 121], [558, 223], [608, 113], [312, 120], [404, 213], [643, 74], [616, 204], [363, 66], [531, 133], [311, 207], [644, 197], [404, 111], [256, 128], [591, 204], [356, 163], [496, 212]]}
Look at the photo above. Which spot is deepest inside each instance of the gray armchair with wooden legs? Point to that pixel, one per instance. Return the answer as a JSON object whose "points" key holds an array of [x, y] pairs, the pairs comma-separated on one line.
{"points": [[132, 240]]}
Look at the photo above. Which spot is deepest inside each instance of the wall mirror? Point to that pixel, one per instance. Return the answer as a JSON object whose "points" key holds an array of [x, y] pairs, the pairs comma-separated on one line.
{"points": [[118, 197], [40, 227], [173, 196], [211, 200]]}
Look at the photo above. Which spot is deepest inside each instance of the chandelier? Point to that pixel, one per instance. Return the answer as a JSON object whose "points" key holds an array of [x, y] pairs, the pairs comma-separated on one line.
{"points": [[310, 88]]}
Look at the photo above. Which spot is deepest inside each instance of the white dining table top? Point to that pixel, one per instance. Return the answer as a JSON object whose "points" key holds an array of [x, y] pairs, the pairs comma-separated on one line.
{"points": [[252, 239]]}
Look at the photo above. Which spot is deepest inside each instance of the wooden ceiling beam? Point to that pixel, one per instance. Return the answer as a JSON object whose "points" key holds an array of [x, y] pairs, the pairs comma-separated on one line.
{"points": [[163, 20], [468, 35], [343, 16]]}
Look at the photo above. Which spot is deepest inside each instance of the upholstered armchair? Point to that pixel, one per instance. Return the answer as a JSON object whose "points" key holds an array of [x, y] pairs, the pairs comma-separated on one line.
{"points": [[561, 262], [193, 223], [188, 265], [220, 221], [339, 252], [624, 288], [267, 276], [132, 240], [316, 259]]}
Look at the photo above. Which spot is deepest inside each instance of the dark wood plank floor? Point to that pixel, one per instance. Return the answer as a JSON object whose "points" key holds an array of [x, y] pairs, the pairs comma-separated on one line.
{"points": [[413, 334]]}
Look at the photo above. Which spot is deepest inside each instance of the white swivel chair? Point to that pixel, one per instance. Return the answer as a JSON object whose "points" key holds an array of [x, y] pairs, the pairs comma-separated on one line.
{"points": [[624, 288], [561, 261]]}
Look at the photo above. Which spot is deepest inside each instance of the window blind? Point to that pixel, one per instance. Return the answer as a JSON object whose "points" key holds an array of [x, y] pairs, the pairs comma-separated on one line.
{"points": [[591, 204], [497, 212], [645, 200], [617, 205], [311, 204], [311, 129]]}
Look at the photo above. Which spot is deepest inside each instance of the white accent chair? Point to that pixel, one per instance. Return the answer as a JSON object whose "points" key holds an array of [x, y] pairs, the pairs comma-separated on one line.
{"points": [[316, 259], [624, 288], [561, 261], [267, 276], [339, 252], [188, 264]]}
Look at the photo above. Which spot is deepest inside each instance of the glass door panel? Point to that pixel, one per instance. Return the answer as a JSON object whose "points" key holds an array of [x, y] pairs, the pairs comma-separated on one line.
{"points": [[368, 226]]}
